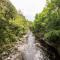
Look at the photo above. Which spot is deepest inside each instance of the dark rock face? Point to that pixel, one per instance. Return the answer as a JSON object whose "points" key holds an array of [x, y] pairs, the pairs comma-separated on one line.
{"points": [[51, 51]]}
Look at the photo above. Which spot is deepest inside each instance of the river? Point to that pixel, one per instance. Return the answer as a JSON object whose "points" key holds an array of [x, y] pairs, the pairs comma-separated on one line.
{"points": [[29, 50]]}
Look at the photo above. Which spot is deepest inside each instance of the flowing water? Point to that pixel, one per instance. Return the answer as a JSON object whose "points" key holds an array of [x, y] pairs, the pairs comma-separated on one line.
{"points": [[31, 52]]}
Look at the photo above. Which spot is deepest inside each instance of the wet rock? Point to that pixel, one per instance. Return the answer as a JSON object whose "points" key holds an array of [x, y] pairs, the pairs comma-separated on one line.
{"points": [[8, 58], [37, 44]]}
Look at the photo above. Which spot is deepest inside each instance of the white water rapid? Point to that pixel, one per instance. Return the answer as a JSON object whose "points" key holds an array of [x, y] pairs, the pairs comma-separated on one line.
{"points": [[31, 52]]}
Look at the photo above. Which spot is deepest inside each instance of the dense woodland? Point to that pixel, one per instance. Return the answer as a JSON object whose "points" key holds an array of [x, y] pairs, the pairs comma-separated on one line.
{"points": [[13, 25], [47, 24]]}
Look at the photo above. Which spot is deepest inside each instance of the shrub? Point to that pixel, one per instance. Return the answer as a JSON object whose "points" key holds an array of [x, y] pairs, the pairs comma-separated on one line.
{"points": [[53, 37]]}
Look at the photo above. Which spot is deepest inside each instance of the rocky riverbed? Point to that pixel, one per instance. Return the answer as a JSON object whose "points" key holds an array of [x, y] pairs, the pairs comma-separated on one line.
{"points": [[27, 49]]}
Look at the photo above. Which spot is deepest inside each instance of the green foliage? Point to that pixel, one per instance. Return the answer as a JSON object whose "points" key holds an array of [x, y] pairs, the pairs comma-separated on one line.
{"points": [[21, 22], [53, 37], [7, 10], [48, 23], [12, 24]]}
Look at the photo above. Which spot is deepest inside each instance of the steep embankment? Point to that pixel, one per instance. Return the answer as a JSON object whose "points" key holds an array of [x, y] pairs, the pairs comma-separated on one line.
{"points": [[46, 26], [13, 26], [16, 51]]}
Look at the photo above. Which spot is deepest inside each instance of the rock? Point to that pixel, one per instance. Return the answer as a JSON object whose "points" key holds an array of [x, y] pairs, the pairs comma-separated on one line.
{"points": [[37, 44], [5, 53], [8, 58]]}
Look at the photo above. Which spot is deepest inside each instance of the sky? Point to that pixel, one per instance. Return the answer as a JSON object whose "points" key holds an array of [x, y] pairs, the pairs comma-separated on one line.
{"points": [[29, 8]]}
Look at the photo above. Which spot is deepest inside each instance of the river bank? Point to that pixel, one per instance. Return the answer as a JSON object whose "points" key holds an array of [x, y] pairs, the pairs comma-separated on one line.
{"points": [[49, 50], [12, 52], [29, 49]]}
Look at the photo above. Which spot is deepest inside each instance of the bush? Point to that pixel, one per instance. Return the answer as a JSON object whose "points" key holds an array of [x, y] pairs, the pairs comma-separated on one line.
{"points": [[53, 37]]}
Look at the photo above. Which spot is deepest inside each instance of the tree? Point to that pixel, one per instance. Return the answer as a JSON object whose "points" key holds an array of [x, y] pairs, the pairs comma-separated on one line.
{"points": [[48, 23]]}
